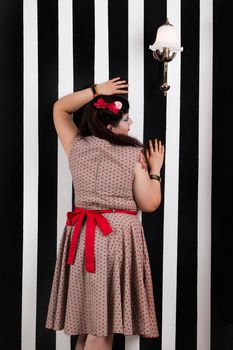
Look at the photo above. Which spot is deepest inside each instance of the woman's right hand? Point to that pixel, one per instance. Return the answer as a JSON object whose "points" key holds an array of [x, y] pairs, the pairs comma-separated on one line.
{"points": [[155, 155], [113, 86]]}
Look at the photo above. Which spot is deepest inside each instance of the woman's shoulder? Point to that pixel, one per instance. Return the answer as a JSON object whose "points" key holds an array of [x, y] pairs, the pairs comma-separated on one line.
{"points": [[133, 150]]}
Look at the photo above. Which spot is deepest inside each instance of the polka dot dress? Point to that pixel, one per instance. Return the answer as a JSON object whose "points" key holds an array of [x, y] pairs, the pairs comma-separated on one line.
{"points": [[118, 296]]}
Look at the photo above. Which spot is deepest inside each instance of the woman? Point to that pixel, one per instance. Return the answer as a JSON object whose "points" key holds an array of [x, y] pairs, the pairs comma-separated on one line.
{"points": [[102, 280]]}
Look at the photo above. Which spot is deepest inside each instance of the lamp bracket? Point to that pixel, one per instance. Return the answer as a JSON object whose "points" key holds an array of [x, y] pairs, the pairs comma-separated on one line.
{"points": [[165, 55]]}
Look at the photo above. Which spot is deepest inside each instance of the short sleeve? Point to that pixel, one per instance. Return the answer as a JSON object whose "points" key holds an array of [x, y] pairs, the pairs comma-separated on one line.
{"points": [[137, 152], [140, 157]]}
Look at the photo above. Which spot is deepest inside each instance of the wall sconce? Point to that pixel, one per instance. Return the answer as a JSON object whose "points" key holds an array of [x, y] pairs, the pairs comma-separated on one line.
{"points": [[165, 48]]}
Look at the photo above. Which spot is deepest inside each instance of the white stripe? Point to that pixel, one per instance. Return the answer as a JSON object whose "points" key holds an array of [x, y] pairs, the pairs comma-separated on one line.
{"points": [[64, 198], [136, 93], [171, 191], [101, 41], [204, 175], [30, 201]]}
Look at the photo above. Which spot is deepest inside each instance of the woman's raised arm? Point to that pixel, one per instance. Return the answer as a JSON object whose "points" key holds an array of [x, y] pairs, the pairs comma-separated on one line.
{"points": [[64, 108]]}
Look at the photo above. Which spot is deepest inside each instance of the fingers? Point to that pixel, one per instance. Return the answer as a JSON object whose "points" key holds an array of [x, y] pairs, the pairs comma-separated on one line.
{"points": [[161, 147], [156, 147], [120, 82], [114, 79], [119, 85], [122, 91], [151, 149]]}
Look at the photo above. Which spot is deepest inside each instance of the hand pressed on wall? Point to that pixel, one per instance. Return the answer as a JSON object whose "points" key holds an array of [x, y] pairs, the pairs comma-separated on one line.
{"points": [[155, 155], [113, 86]]}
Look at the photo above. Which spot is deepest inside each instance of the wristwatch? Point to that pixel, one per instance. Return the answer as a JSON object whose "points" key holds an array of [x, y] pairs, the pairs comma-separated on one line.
{"points": [[95, 90], [155, 177]]}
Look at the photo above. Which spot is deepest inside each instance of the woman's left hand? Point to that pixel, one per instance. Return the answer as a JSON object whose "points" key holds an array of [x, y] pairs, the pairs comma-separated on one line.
{"points": [[113, 86]]}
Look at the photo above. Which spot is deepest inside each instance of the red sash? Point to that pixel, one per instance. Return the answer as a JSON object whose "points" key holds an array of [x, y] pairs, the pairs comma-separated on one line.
{"points": [[93, 217]]}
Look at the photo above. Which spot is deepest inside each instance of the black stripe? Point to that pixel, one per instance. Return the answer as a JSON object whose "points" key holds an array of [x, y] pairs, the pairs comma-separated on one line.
{"points": [[11, 96], [186, 320], [47, 211], [222, 185], [154, 127], [84, 49], [83, 43], [118, 39]]}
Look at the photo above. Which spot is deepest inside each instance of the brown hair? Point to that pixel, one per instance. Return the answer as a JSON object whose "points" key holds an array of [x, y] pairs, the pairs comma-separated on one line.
{"points": [[94, 121]]}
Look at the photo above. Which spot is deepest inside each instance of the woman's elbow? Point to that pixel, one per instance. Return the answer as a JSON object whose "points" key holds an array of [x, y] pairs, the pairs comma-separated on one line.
{"points": [[150, 207], [57, 105], [156, 204], [55, 108]]}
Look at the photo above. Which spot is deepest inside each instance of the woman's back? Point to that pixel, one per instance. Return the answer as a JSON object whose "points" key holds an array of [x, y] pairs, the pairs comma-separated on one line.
{"points": [[102, 173]]}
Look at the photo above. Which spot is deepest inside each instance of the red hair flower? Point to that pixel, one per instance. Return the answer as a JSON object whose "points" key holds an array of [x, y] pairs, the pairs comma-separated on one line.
{"points": [[101, 103], [114, 107]]}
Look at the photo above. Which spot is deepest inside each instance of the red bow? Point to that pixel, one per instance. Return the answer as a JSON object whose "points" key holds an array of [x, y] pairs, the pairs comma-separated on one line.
{"points": [[93, 217]]}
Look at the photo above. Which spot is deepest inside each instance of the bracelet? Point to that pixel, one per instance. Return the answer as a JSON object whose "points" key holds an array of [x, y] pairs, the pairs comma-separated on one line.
{"points": [[95, 90], [155, 177]]}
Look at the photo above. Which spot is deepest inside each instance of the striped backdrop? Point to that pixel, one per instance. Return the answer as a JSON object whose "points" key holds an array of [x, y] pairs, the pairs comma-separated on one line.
{"points": [[51, 48]]}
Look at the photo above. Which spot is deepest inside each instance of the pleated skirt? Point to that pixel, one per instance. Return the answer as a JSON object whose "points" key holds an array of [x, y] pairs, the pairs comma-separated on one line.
{"points": [[118, 297]]}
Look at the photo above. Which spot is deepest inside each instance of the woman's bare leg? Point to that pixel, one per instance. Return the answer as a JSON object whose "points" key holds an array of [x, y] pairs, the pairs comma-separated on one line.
{"points": [[94, 342], [81, 342]]}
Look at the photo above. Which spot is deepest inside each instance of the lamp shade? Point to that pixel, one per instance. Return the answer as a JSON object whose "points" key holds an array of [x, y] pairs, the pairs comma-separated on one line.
{"points": [[166, 37]]}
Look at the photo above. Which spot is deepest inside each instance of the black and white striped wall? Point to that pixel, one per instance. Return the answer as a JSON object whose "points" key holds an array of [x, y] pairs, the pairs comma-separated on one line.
{"points": [[51, 48]]}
